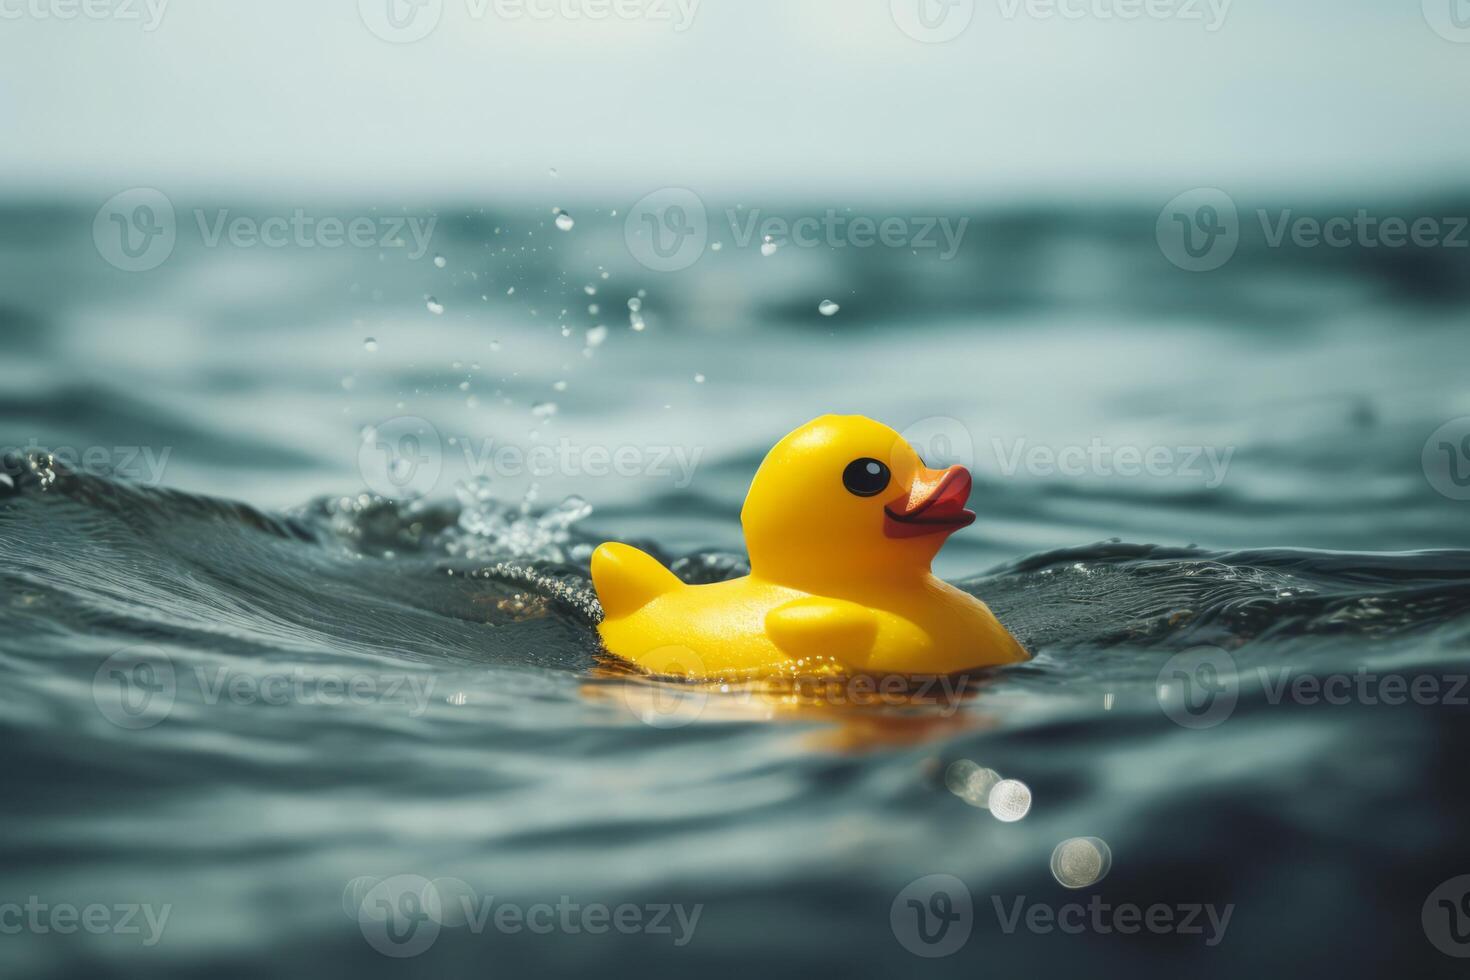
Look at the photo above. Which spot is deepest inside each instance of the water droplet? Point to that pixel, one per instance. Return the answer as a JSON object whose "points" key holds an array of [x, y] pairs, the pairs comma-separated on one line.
{"points": [[552, 172], [957, 773], [370, 345], [564, 221], [828, 308], [544, 410], [768, 247], [590, 289], [435, 307], [596, 336], [717, 246], [1081, 861], [635, 304], [559, 386], [349, 382], [494, 346], [440, 261], [1010, 800], [635, 320], [511, 291], [699, 379], [566, 513]]}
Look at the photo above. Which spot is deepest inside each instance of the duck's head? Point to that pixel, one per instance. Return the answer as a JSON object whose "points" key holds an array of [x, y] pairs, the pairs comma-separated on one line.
{"points": [[845, 497]]}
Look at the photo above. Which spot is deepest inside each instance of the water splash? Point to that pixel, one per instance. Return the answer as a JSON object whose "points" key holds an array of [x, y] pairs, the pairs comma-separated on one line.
{"points": [[489, 529]]}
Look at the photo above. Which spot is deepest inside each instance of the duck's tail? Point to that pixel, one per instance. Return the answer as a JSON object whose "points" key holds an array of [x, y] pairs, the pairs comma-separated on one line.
{"points": [[627, 579]]}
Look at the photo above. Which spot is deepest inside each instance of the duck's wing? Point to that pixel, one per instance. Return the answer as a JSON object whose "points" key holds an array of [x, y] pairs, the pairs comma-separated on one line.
{"points": [[816, 626], [627, 579]]}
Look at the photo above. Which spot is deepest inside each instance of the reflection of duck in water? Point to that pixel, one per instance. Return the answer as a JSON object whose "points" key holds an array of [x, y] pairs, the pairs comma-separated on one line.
{"points": [[842, 521], [853, 714]]}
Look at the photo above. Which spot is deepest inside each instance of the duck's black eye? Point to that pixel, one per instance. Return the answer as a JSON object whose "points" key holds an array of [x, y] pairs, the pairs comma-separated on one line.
{"points": [[865, 477]]}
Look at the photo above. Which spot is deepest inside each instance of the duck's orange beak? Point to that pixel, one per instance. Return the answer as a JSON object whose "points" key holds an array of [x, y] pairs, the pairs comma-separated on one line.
{"points": [[934, 504]]}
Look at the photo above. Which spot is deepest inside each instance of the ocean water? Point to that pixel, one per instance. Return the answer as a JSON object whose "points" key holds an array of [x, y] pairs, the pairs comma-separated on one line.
{"points": [[298, 655]]}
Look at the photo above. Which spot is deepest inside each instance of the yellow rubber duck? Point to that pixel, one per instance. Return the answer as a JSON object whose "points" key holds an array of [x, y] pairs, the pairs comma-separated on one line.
{"points": [[841, 522]]}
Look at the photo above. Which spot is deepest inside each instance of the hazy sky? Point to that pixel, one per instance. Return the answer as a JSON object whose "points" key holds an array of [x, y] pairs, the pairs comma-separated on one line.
{"points": [[1060, 97]]}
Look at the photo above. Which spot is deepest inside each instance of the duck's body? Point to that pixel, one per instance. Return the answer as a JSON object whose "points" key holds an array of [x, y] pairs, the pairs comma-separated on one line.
{"points": [[840, 576], [749, 626]]}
